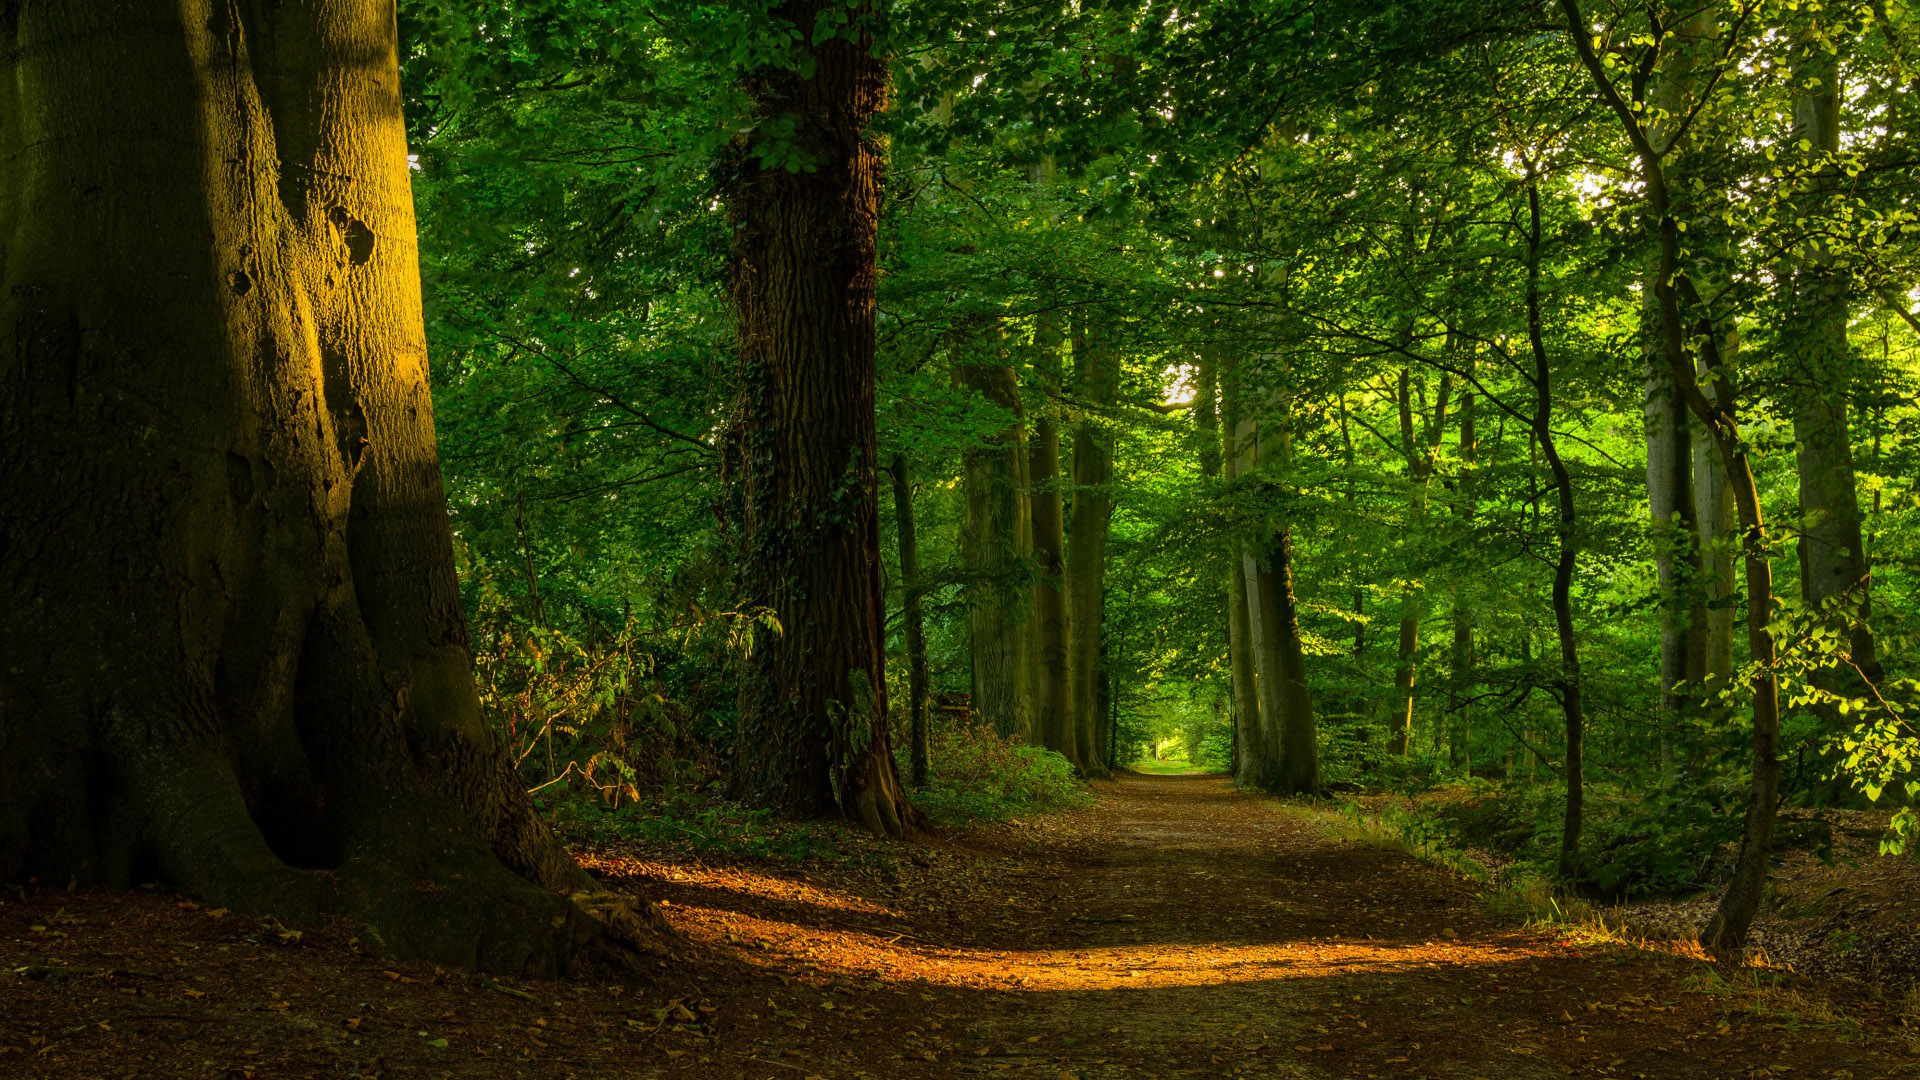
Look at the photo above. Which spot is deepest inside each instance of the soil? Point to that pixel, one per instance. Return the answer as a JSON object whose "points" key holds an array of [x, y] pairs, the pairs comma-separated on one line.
{"points": [[1174, 929]]}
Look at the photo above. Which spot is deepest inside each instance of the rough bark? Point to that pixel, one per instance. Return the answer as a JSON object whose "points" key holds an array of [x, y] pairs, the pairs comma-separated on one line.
{"points": [[1097, 370], [814, 733], [990, 550], [236, 654], [912, 616]]}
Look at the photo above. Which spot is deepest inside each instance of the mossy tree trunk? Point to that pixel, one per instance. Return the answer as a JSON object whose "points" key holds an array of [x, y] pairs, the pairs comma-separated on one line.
{"points": [[235, 651], [814, 734]]}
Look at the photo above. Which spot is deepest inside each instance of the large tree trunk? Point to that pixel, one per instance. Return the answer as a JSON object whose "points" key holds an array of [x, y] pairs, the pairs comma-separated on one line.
{"points": [[813, 735], [1832, 556], [1257, 739], [235, 651], [1289, 735], [914, 620], [990, 550], [1097, 369]]}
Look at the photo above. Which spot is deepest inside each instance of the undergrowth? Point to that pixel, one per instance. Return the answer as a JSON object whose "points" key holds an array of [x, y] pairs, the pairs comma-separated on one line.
{"points": [[980, 776], [695, 822], [1514, 891]]}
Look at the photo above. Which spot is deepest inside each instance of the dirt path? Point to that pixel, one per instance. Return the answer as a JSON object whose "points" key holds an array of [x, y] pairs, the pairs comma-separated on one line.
{"points": [[1176, 929]]}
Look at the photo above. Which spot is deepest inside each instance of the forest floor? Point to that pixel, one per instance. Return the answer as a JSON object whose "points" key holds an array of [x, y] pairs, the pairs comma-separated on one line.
{"points": [[1174, 929]]}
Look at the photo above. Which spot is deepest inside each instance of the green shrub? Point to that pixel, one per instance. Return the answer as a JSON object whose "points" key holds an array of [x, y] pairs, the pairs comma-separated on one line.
{"points": [[1634, 842], [978, 776]]}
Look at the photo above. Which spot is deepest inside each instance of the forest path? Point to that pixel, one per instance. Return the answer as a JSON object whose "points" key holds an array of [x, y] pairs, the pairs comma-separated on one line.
{"points": [[1175, 929], [1181, 929]]}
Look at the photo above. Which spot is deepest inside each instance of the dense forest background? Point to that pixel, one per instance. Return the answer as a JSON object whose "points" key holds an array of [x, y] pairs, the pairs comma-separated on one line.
{"points": [[1491, 356]]}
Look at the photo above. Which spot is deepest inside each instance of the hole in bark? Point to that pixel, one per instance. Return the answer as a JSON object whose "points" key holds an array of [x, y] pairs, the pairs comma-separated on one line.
{"points": [[359, 238], [239, 478], [296, 829]]}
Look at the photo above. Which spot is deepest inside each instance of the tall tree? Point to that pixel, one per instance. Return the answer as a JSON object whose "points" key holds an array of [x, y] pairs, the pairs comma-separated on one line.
{"points": [[236, 652], [1680, 309], [1097, 372], [804, 198], [1055, 721], [1833, 561], [990, 545], [1417, 450]]}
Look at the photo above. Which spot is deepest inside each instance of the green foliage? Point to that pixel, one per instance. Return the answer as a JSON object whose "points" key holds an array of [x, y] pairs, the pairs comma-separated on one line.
{"points": [[1323, 204], [1656, 842], [979, 776]]}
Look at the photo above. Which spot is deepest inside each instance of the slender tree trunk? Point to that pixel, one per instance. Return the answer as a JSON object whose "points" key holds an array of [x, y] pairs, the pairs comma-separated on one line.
{"points": [[1055, 720], [1206, 421], [990, 550], [1727, 932], [906, 524], [1418, 450], [1574, 770], [1461, 658], [1097, 369], [534, 607], [1714, 516], [1299, 771], [235, 650], [814, 733], [1670, 499]]}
